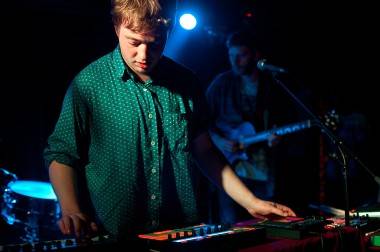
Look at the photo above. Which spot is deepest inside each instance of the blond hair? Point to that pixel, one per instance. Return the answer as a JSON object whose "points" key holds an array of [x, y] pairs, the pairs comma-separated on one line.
{"points": [[143, 15]]}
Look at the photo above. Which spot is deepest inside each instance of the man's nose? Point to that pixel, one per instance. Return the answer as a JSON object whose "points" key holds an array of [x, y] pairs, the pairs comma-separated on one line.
{"points": [[143, 52]]}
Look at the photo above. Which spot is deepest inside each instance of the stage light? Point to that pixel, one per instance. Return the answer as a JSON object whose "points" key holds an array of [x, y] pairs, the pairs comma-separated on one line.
{"points": [[188, 21]]}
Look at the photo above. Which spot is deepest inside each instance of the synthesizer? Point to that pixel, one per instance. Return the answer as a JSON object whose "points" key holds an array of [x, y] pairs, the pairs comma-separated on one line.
{"points": [[293, 227], [200, 238], [204, 237]]}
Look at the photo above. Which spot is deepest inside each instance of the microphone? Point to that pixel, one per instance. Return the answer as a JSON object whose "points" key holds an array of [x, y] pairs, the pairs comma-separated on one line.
{"points": [[262, 65]]}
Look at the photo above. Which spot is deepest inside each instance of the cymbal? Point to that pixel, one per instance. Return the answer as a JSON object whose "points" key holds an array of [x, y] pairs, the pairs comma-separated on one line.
{"points": [[34, 189]]}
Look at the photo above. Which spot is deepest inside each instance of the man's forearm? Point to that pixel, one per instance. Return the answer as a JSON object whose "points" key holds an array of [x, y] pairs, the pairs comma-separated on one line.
{"points": [[63, 180], [216, 168]]}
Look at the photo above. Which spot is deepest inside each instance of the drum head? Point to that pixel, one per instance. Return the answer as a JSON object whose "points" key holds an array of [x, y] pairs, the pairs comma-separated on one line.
{"points": [[34, 189]]}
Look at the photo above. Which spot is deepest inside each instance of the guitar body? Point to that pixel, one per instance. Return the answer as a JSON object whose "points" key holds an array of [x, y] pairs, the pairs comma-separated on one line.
{"points": [[252, 166], [255, 166], [234, 134]]}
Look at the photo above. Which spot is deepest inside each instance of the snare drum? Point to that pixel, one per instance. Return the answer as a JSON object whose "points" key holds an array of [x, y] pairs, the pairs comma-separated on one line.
{"points": [[30, 203]]}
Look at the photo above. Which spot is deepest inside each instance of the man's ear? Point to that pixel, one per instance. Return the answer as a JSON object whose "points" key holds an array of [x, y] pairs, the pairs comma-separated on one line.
{"points": [[117, 29]]}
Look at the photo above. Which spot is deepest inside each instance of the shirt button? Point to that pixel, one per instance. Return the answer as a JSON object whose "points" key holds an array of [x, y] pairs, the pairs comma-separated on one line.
{"points": [[150, 115], [154, 223], [152, 143], [153, 197], [145, 89], [153, 170]]}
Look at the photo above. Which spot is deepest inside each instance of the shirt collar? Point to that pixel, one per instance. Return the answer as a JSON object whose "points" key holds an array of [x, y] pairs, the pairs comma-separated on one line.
{"points": [[118, 62], [124, 72], [122, 69]]}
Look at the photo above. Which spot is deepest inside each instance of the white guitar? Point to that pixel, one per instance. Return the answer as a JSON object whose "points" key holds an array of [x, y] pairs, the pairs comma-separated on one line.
{"points": [[245, 135]]}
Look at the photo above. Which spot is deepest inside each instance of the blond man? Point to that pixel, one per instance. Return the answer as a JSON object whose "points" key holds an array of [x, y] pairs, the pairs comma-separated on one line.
{"points": [[134, 129]]}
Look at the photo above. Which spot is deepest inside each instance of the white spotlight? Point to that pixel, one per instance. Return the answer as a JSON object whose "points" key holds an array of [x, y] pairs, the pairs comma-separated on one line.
{"points": [[188, 21]]}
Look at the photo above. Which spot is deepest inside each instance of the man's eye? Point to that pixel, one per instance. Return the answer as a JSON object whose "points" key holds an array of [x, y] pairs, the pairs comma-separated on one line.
{"points": [[134, 43]]}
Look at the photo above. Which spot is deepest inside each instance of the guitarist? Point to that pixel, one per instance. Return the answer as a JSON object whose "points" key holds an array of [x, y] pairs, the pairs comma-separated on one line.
{"points": [[239, 102]]}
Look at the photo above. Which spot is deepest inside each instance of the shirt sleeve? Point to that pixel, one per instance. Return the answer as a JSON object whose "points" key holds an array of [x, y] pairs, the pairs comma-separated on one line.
{"points": [[68, 144]]}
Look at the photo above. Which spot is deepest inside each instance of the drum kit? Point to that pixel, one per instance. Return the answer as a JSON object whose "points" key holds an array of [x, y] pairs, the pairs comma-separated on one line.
{"points": [[31, 205]]}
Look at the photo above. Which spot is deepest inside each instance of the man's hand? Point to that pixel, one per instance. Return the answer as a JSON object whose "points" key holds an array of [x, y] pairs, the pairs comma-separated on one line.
{"points": [[228, 145], [265, 209], [77, 223], [273, 140]]}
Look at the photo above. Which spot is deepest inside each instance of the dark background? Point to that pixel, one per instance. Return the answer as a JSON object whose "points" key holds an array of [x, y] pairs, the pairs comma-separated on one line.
{"points": [[329, 49]]}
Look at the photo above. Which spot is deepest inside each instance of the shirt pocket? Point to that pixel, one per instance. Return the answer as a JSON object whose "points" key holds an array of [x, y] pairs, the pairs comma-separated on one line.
{"points": [[177, 132]]}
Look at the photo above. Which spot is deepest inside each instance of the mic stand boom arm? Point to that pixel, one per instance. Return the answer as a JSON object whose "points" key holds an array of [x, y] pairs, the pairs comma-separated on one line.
{"points": [[344, 151]]}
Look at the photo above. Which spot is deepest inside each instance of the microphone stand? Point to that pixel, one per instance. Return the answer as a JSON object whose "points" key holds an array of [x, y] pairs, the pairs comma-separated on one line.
{"points": [[344, 151]]}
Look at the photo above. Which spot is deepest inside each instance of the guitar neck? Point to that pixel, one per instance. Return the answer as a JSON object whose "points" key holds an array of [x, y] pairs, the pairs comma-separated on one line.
{"points": [[280, 131]]}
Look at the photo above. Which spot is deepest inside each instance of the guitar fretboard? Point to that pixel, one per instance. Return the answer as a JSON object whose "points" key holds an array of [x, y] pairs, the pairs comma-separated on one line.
{"points": [[263, 136]]}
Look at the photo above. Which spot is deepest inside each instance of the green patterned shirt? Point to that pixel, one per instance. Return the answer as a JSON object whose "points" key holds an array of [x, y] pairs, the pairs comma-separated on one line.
{"points": [[132, 142]]}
